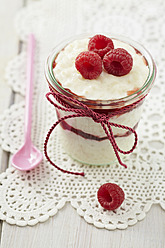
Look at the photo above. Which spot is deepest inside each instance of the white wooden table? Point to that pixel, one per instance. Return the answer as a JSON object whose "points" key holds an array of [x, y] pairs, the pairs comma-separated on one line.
{"points": [[67, 228]]}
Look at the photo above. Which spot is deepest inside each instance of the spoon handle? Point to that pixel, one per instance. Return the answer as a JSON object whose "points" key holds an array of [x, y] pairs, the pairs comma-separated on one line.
{"points": [[29, 87]]}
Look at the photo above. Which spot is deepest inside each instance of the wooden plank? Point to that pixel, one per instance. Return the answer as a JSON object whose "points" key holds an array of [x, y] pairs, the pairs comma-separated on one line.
{"points": [[8, 49], [69, 230], [8, 45]]}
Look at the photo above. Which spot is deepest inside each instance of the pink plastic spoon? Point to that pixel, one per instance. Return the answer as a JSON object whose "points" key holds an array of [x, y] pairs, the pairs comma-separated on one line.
{"points": [[28, 156]]}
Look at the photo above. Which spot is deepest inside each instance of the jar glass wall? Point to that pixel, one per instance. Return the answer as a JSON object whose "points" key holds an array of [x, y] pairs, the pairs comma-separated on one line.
{"points": [[84, 139]]}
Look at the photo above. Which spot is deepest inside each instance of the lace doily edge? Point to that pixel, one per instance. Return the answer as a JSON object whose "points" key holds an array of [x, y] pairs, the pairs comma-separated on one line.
{"points": [[33, 221], [61, 204], [53, 211], [121, 225]]}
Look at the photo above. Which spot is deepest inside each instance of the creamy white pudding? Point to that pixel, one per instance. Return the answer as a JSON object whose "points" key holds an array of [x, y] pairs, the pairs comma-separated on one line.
{"points": [[106, 86]]}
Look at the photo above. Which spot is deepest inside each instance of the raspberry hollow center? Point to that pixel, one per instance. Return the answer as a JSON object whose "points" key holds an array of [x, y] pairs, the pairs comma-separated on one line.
{"points": [[101, 44], [116, 65], [89, 64], [118, 62], [107, 196], [110, 196]]}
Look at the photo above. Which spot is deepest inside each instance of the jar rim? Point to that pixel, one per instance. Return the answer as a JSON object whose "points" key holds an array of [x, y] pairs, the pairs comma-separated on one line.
{"points": [[139, 94]]}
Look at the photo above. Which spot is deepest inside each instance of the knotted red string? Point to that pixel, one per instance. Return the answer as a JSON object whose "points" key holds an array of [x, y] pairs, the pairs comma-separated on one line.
{"points": [[84, 111]]}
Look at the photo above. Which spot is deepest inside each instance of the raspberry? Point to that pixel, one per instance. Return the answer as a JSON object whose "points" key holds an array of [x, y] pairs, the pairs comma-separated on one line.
{"points": [[100, 44], [110, 196], [118, 62], [89, 64]]}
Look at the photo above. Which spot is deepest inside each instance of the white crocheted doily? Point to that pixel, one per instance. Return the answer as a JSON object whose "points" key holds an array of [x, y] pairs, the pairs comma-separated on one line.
{"points": [[27, 198]]}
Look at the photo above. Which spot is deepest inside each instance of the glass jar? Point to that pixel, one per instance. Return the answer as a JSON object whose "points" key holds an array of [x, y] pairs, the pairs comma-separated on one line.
{"points": [[83, 138]]}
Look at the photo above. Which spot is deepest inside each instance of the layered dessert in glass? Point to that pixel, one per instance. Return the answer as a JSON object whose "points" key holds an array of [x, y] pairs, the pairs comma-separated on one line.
{"points": [[115, 86]]}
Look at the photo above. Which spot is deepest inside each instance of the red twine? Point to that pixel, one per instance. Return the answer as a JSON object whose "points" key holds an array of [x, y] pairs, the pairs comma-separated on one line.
{"points": [[97, 117]]}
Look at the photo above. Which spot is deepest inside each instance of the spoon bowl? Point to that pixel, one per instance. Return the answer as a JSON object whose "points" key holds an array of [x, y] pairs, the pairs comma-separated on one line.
{"points": [[28, 156], [26, 159]]}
